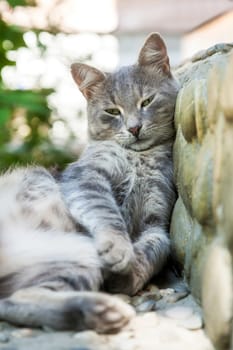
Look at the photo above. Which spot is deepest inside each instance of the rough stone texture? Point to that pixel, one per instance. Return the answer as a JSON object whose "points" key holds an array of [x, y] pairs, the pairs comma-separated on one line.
{"points": [[202, 221]]}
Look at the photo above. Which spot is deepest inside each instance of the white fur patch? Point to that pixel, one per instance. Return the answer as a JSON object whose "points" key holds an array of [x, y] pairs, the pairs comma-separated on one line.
{"points": [[22, 245]]}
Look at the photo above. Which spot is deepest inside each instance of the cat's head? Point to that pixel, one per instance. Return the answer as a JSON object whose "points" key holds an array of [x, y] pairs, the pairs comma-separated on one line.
{"points": [[135, 105]]}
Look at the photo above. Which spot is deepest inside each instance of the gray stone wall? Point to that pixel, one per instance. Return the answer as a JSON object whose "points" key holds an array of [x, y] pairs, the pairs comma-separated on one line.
{"points": [[202, 221]]}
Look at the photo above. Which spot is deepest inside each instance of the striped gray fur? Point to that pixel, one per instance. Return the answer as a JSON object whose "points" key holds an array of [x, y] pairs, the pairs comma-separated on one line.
{"points": [[121, 190], [107, 220], [47, 271]]}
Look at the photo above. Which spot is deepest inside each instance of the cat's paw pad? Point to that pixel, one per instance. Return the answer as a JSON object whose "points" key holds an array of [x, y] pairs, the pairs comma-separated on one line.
{"points": [[36, 307], [116, 253], [103, 313]]}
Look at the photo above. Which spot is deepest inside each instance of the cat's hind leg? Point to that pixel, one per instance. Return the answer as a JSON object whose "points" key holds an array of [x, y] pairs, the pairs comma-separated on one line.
{"points": [[46, 267], [37, 307], [59, 288]]}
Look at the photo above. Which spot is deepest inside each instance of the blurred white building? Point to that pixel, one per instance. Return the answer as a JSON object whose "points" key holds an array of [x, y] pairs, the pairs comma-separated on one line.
{"points": [[105, 33], [187, 25]]}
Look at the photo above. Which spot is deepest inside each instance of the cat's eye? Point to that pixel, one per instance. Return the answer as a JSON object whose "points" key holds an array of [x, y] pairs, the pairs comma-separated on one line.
{"points": [[147, 101], [113, 111]]}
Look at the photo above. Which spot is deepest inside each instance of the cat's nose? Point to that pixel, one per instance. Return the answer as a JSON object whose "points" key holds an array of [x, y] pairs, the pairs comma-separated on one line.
{"points": [[135, 130]]}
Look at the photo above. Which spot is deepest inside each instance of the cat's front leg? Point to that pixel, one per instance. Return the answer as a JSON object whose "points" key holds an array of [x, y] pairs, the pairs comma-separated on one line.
{"points": [[129, 283], [115, 250], [87, 186], [151, 252], [98, 213]]}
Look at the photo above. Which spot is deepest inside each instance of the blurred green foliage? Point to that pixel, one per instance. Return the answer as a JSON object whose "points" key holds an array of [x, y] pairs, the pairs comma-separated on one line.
{"points": [[25, 118]]}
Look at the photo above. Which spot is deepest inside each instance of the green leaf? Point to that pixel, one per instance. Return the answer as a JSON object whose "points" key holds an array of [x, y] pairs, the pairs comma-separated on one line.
{"points": [[14, 3], [33, 101], [5, 114]]}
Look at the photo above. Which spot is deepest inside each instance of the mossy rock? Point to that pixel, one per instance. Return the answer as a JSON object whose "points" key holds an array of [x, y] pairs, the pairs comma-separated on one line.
{"points": [[203, 167]]}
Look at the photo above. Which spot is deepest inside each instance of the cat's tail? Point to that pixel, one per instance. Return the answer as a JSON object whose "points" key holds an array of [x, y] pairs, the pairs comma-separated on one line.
{"points": [[51, 278]]}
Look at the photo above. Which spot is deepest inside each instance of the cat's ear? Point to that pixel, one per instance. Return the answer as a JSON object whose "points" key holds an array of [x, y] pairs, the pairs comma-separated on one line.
{"points": [[86, 77], [154, 54]]}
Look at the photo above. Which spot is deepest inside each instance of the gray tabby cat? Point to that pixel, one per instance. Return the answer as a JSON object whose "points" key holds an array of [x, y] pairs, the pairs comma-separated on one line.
{"points": [[107, 220], [121, 190]]}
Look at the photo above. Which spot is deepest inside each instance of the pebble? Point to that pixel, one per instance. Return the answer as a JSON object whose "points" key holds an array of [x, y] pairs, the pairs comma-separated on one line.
{"points": [[4, 326], [185, 317], [145, 302], [173, 298], [142, 321], [23, 333], [152, 289], [90, 340], [194, 323], [146, 306], [123, 341], [86, 336], [4, 338], [179, 312], [48, 329], [124, 297], [167, 291], [155, 295], [139, 299]]}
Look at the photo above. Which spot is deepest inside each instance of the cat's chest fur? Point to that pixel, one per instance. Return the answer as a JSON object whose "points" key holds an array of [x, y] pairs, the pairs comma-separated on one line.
{"points": [[143, 164], [144, 168], [147, 172]]}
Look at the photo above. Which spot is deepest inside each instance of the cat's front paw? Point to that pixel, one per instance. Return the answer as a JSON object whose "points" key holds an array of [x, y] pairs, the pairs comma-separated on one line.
{"points": [[116, 253], [129, 284]]}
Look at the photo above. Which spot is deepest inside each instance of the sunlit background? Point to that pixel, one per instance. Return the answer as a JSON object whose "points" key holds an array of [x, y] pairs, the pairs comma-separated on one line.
{"points": [[42, 113]]}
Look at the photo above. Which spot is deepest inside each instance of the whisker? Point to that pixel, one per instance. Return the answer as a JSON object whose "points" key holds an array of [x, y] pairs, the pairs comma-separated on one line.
{"points": [[160, 126]]}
